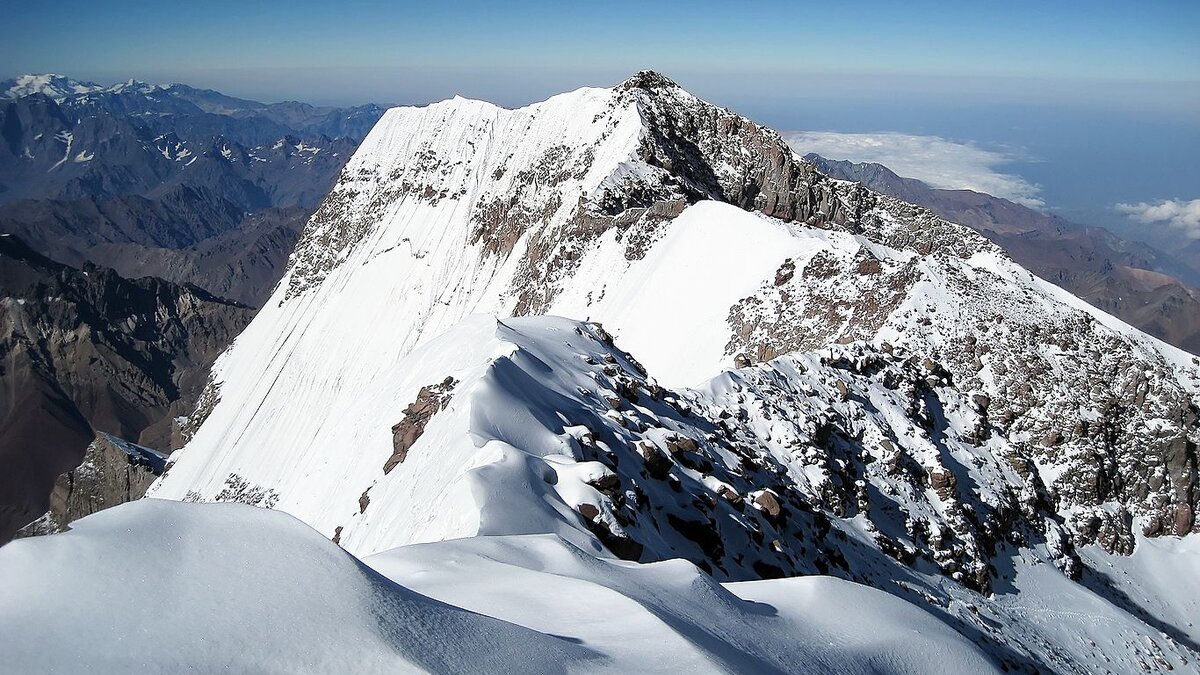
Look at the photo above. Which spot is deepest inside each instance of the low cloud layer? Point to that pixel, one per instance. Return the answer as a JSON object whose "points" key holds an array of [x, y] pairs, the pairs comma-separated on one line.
{"points": [[1177, 213], [939, 162]]}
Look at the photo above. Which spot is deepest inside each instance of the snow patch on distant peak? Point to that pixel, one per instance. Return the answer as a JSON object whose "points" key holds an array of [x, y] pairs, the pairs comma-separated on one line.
{"points": [[55, 86], [60, 88]]}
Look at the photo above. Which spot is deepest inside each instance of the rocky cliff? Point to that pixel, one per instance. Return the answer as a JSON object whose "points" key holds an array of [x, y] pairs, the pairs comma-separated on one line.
{"points": [[84, 350]]}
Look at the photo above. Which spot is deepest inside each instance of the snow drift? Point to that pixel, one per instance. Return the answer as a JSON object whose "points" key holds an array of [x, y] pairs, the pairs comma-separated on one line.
{"points": [[156, 586]]}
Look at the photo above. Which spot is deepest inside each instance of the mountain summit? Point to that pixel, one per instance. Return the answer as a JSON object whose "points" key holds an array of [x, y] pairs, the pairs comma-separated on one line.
{"points": [[766, 372]]}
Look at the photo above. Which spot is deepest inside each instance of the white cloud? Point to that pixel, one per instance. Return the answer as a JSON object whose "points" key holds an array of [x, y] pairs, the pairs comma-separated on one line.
{"points": [[938, 162], [1179, 214]]}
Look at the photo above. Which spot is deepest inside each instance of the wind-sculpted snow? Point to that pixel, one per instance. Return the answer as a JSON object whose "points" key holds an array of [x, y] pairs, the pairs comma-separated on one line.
{"points": [[165, 587], [858, 461], [876, 393]]}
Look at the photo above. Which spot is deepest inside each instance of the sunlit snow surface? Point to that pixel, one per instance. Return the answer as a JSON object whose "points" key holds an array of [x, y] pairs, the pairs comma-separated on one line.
{"points": [[391, 290], [157, 586]]}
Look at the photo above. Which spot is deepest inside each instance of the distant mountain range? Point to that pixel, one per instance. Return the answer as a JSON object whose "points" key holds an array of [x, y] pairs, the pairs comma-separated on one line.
{"points": [[85, 350], [202, 194], [1150, 289], [151, 179]]}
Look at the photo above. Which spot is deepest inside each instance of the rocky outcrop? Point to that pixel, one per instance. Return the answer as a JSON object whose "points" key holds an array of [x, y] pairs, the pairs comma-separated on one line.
{"points": [[85, 349], [1086, 399], [405, 433], [1153, 290], [113, 471]]}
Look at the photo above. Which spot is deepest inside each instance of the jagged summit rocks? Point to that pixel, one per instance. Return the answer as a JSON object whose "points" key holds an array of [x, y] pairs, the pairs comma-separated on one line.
{"points": [[648, 80], [911, 409]]}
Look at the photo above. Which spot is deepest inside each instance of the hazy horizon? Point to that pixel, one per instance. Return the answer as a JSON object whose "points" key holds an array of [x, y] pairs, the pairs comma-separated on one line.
{"points": [[1067, 98]]}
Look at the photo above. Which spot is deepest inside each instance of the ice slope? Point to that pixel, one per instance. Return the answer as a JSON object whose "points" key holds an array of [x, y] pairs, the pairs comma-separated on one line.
{"points": [[671, 307], [157, 586]]}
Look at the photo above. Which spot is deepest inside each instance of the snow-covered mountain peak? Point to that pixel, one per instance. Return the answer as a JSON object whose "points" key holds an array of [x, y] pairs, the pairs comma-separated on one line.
{"points": [[55, 86], [61, 88], [846, 383], [648, 80]]}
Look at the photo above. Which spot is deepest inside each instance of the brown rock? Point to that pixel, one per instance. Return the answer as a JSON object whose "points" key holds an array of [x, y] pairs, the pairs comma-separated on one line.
{"points": [[768, 503], [588, 511], [730, 496], [943, 483], [657, 462], [608, 484], [430, 400], [785, 272], [1184, 519], [678, 444]]}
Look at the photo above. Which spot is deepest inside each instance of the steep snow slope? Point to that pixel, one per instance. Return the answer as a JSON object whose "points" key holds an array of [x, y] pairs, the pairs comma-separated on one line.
{"points": [[855, 462], [911, 409], [253, 591]]}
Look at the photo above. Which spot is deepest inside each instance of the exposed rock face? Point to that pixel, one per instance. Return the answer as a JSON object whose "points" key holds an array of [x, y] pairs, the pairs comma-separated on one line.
{"points": [[113, 472], [87, 349], [1153, 290], [405, 433]]}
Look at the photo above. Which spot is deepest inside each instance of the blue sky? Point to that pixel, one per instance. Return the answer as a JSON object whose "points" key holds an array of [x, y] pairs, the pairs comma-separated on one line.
{"points": [[355, 50], [1074, 93]]}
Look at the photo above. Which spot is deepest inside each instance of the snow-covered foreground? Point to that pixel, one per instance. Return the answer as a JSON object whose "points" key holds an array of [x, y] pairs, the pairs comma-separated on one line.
{"points": [[157, 586], [873, 394], [535, 464]]}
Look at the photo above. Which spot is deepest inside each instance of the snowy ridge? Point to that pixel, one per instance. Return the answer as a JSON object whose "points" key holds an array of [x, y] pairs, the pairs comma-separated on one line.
{"points": [[549, 428], [879, 394], [576, 614]]}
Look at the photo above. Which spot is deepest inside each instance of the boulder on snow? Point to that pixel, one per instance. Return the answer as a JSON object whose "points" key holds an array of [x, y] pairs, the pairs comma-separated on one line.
{"points": [[767, 502], [588, 511], [657, 462], [943, 482], [609, 484], [430, 400]]}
